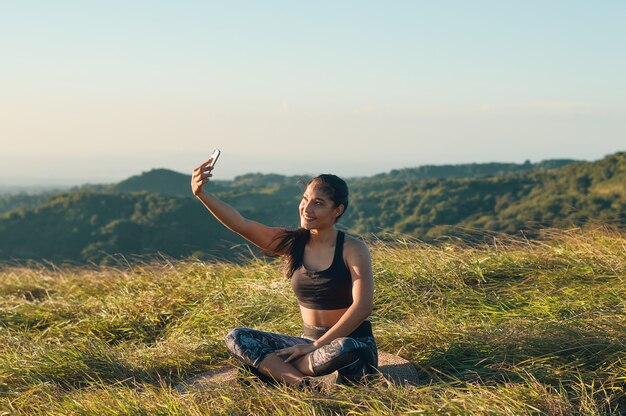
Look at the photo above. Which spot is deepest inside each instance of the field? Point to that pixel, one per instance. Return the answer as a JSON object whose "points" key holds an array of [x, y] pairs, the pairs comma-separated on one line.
{"points": [[511, 327]]}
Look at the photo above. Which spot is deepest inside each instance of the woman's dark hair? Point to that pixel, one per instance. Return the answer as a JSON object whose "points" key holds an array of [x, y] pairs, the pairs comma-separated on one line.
{"points": [[293, 242]]}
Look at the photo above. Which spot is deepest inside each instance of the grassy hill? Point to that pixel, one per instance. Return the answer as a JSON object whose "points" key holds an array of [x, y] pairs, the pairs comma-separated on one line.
{"points": [[514, 327]]}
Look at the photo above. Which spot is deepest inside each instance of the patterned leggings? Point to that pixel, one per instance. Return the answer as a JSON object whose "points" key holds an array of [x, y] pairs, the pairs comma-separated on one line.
{"points": [[352, 357]]}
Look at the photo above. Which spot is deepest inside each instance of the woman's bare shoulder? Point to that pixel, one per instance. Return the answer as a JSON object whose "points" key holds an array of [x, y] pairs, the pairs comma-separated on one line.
{"points": [[354, 245]]}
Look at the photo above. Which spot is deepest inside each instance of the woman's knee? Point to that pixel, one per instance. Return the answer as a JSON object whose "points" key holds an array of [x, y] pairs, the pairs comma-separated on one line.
{"points": [[345, 344], [234, 338], [343, 354], [248, 345], [231, 339], [359, 350]]}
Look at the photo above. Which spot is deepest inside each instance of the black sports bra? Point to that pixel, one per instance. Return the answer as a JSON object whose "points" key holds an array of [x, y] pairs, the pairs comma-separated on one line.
{"points": [[328, 289]]}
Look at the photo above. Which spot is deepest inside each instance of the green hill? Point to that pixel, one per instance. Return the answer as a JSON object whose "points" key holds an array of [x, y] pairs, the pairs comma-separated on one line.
{"points": [[9, 202], [573, 195], [469, 170], [88, 225], [164, 181], [171, 183]]}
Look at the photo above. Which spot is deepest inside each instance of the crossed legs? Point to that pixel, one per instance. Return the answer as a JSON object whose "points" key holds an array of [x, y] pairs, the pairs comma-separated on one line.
{"points": [[352, 357]]}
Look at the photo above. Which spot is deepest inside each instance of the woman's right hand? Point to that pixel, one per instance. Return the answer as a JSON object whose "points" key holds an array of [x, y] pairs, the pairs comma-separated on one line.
{"points": [[200, 176]]}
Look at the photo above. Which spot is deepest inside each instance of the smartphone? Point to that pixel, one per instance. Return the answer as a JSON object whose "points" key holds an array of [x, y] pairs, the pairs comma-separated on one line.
{"points": [[215, 155]]}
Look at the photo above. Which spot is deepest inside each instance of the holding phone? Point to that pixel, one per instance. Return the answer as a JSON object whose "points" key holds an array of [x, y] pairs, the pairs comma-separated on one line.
{"points": [[215, 155]]}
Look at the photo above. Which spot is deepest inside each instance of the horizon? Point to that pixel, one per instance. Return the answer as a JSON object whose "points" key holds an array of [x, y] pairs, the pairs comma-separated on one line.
{"points": [[20, 182], [35, 187], [97, 92]]}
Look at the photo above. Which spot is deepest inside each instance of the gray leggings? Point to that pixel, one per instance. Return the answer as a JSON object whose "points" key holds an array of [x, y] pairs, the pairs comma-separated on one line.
{"points": [[353, 357]]}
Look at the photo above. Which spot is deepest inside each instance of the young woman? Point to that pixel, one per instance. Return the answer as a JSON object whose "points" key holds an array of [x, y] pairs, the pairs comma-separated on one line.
{"points": [[331, 275]]}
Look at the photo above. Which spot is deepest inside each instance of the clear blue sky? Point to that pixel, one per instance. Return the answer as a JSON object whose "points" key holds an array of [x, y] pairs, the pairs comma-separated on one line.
{"points": [[100, 90]]}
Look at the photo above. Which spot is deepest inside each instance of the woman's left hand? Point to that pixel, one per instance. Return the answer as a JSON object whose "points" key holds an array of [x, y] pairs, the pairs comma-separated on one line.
{"points": [[295, 352]]}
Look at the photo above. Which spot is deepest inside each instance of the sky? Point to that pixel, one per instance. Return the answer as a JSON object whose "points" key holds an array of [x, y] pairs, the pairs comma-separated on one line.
{"points": [[97, 91]]}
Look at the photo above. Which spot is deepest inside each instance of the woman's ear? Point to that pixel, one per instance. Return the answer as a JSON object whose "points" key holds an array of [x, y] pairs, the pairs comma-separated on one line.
{"points": [[339, 210]]}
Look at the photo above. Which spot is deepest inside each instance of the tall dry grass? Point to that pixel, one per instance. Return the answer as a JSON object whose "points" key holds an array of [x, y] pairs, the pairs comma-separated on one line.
{"points": [[511, 327]]}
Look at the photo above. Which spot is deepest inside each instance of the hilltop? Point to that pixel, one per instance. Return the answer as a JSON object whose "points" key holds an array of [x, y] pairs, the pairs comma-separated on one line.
{"points": [[512, 327]]}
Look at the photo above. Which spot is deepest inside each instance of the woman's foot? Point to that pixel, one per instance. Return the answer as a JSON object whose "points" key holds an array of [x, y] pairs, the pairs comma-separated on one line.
{"points": [[309, 384]]}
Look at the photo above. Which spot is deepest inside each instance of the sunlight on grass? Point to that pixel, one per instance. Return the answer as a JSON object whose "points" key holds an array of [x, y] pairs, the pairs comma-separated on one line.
{"points": [[513, 327]]}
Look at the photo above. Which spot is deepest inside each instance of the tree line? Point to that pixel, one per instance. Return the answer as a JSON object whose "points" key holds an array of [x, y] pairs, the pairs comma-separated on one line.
{"points": [[154, 212]]}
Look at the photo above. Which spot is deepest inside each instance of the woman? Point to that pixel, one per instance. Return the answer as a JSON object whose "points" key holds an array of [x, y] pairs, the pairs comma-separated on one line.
{"points": [[331, 275]]}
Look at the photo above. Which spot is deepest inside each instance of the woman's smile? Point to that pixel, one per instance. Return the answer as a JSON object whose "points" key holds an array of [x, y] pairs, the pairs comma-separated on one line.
{"points": [[308, 217]]}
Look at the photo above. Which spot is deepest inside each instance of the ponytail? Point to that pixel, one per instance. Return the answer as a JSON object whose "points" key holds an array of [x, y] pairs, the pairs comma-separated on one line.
{"points": [[292, 243]]}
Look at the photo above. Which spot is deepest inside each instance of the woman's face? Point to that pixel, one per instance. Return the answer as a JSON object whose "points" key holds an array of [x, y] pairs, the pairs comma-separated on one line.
{"points": [[317, 210]]}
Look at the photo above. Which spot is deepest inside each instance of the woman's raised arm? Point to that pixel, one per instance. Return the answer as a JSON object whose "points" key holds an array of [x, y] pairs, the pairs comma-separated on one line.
{"points": [[258, 234]]}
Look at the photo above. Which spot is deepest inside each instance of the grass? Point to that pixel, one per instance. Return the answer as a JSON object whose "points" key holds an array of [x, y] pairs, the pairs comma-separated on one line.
{"points": [[513, 327]]}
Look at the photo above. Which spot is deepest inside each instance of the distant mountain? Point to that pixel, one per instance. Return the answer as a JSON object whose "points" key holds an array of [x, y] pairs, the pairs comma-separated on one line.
{"points": [[576, 194], [469, 170], [168, 182], [88, 224], [10, 202], [30, 189], [163, 181]]}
